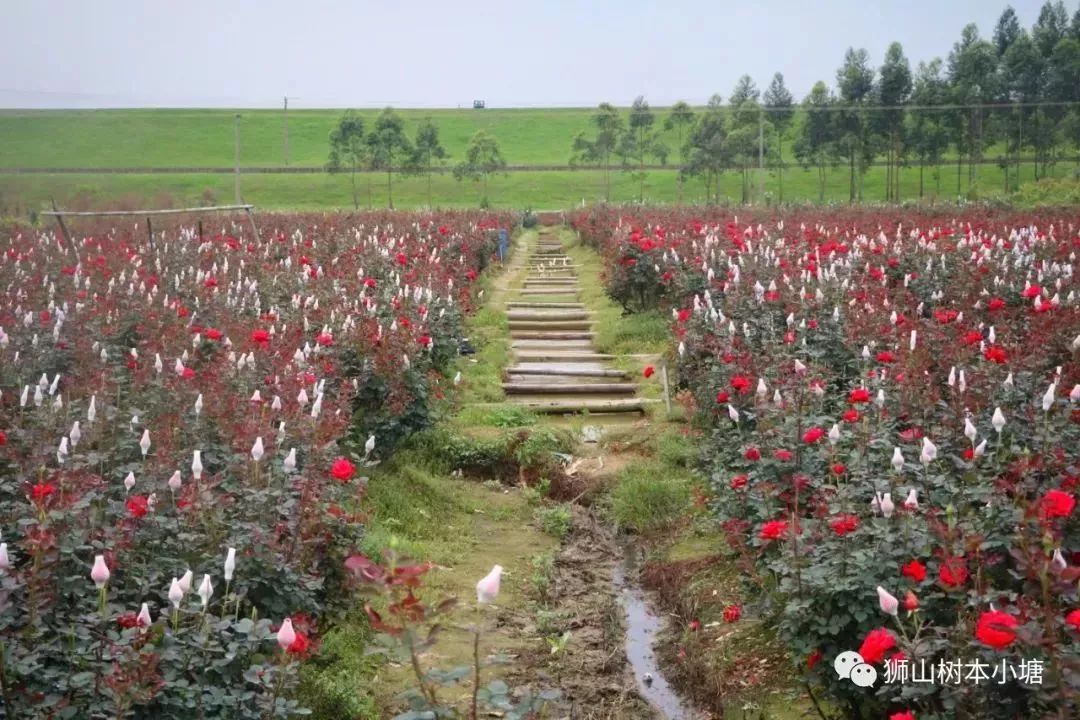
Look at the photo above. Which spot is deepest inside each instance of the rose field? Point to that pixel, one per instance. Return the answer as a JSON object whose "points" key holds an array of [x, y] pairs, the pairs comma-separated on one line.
{"points": [[887, 409], [257, 472], [185, 427]]}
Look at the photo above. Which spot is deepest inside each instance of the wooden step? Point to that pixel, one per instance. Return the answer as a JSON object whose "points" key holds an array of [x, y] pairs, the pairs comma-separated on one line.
{"points": [[549, 315], [566, 305], [552, 335], [566, 372], [587, 405], [541, 388], [550, 291], [528, 355]]}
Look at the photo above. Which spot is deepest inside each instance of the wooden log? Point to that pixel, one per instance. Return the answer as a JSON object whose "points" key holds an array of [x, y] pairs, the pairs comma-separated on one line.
{"points": [[540, 388], [592, 406], [565, 372], [550, 325], [556, 335], [549, 291], [525, 355], [566, 305], [554, 315]]}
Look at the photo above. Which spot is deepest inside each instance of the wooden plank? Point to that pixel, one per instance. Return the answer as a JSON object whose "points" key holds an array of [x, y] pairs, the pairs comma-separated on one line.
{"points": [[592, 406], [550, 325], [542, 388], [552, 315], [553, 335], [565, 372]]}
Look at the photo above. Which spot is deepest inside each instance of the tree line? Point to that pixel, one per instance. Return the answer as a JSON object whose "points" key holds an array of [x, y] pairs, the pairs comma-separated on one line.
{"points": [[386, 147], [1017, 92]]}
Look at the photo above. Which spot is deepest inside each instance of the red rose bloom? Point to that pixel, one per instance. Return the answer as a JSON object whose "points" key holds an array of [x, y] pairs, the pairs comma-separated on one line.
{"points": [[1057, 504], [995, 304], [1032, 291], [324, 339], [722, 396], [684, 315], [859, 395], [850, 416], [996, 629], [260, 336], [813, 659], [213, 334], [3, 438], [740, 383], [972, 337], [839, 469], [996, 354], [953, 572], [1073, 619], [649, 370], [773, 530], [732, 613], [905, 715], [739, 481], [342, 470], [41, 492], [300, 645], [137, 506], [914, 570], [876, 644], [783, 455], [911, 601], [843, 524], [886, 357], [752, 454], [812, 435]]}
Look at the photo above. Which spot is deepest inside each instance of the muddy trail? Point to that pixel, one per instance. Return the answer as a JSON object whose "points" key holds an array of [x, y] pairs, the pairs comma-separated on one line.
{"points": [[607, 666]]}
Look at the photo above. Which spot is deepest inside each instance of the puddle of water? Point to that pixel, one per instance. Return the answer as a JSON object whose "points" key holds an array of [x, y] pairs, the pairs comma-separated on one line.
{"points": [[643, 628]]}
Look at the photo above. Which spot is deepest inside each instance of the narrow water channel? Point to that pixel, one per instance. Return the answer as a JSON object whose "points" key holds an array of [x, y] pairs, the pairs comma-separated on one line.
{"points": [[643, 628]]}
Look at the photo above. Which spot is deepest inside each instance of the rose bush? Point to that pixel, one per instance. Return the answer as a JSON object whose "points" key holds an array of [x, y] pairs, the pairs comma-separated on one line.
{"points": [[183, 424], [892, 419]]}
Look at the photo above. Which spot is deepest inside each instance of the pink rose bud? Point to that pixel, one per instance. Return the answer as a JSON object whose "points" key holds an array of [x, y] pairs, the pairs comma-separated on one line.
{"points": [[889, 604], [488, 588], [286, 636], [100, 572]]}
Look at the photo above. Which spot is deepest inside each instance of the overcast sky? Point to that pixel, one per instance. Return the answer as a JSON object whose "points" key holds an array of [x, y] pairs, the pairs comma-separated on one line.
{"points": [[445, 53]]}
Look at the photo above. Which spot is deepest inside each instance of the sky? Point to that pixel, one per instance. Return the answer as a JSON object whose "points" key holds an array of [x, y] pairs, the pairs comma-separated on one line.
{"points": [[435, 53]]}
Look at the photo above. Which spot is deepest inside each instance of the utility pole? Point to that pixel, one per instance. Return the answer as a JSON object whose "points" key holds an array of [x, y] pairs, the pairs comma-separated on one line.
{"points": [[761, 155], [285, 119], [236, 159]]}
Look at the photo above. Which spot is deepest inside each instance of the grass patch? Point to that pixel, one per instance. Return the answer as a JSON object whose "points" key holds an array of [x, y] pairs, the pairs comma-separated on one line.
{"points": [[497, 416], [648, 496]]}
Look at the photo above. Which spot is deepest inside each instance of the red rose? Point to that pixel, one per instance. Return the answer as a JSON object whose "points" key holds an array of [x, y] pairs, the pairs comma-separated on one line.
{"points": [[300, 645], [739, 481], [812, 435], [137, 506], [886, 357], [649, 370], [813, 659], [260, 336], [996, 629], [953, 572], [684, 315], [1032, 291], [843, 524], [324, 339], [782, 455], [905, 715], [213, 334], [839, 469], [911, 601], [3, 438], [773, 530], [722, 396], [41, 492], [752, 454], [995, 304], [188, 373], [1073, 619], [996, 354], [875, 645], [402, 259], [732, 613], [342, 470], [914, 570], [369, 282], [1057, 504], [850, 416], [424, 340], [740, 383], [859, 395], [972, 337]]}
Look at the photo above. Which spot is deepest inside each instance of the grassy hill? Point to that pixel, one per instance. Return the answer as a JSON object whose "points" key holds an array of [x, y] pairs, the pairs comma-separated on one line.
{"points": [[204, 138]]}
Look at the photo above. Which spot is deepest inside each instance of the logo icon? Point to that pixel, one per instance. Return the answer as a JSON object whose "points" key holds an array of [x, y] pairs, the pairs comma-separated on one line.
{"points": [[849, 665]]}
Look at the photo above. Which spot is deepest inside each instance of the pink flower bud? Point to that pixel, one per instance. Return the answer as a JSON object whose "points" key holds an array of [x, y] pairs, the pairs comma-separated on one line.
{"points": [[889, 603], [286, 636], [100, 572]]}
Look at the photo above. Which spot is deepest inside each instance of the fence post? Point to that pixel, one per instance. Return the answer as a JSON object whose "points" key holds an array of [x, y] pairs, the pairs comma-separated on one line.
{"points": [[667, 388]]}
